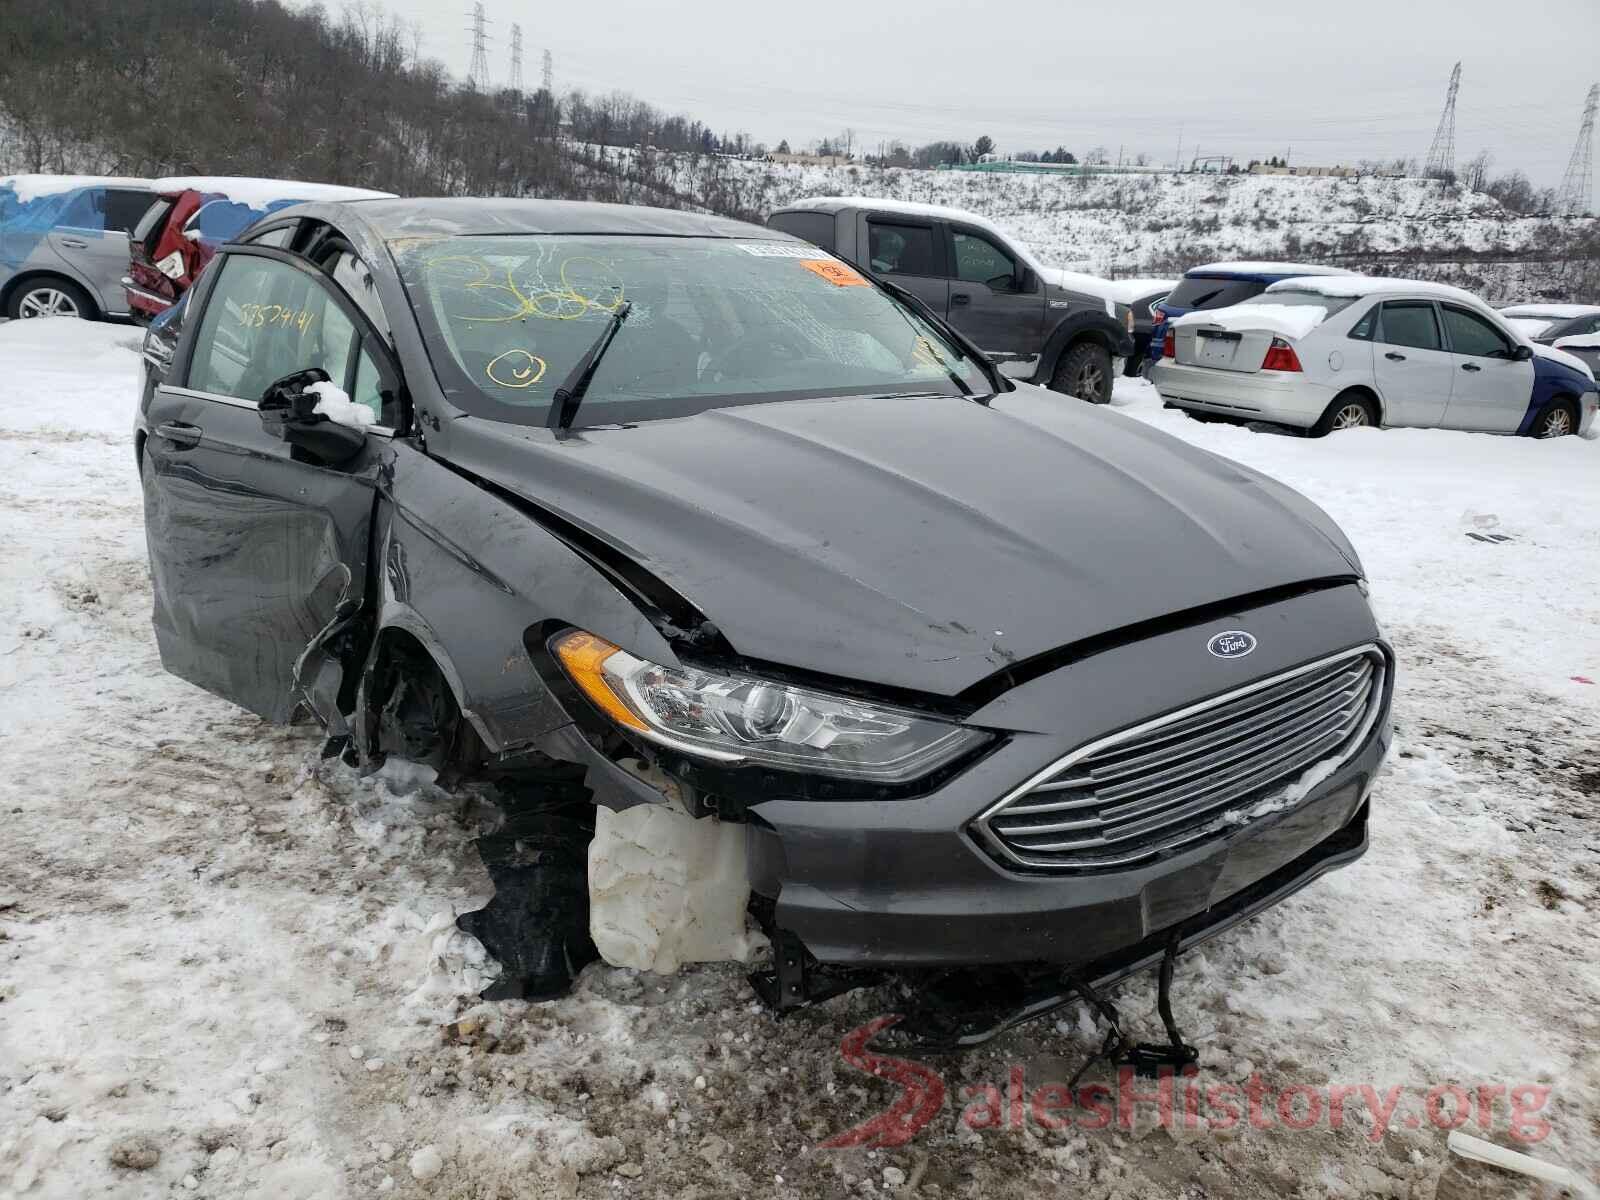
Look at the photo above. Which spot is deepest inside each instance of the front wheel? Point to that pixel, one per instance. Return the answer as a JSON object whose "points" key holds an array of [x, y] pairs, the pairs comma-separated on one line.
{"points": [[1085, 372], [1348, 411], [1556, 419], [50, 297]]}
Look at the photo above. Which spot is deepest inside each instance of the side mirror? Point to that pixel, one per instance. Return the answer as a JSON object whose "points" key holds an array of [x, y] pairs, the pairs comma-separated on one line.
{"points": [[288, 413], [1522, 354]]}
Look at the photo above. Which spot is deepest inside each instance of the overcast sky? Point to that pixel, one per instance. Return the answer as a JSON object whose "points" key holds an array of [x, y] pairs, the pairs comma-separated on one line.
{"points": [[1327, 81]]}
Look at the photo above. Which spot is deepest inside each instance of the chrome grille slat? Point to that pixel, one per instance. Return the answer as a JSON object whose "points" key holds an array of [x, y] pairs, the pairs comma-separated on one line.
{"points": [[1264, 700], [1173, 780], [1256, 737], [1234, 782], [1239, 784]]}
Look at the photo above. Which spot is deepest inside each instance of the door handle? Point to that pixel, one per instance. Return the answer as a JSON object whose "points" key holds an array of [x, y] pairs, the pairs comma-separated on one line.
{"points": [[179, 433], [1471, 367], [960, 298], [74, 244], [1393, 357]]}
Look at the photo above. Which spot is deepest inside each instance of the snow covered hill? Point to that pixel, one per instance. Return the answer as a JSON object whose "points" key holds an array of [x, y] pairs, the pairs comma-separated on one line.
{"points": [[1124, 225]]}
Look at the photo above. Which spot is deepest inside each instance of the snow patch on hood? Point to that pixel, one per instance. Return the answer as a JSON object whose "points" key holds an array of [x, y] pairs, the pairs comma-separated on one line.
{"points": [[1285, 320], [1089, 285]]}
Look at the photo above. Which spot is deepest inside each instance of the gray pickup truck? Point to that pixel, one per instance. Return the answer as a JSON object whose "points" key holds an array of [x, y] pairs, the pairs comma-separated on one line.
{"points": [[1040, 323]]}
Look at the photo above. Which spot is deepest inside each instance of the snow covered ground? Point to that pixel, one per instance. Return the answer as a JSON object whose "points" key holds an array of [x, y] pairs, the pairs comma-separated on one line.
{"points": [[229, 969]]}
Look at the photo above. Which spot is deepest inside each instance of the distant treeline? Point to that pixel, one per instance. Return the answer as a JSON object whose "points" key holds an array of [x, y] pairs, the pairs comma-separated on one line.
{"points": [[251, 87]]}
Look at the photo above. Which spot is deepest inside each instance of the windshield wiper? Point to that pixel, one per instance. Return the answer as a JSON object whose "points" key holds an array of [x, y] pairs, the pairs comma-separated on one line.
{"points": [[964, 347], [564, 404]]}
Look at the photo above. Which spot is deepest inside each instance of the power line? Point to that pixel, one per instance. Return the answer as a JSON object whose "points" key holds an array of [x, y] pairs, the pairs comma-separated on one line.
{"points": [[1441, 162], [1577, 186], [479, 72]]}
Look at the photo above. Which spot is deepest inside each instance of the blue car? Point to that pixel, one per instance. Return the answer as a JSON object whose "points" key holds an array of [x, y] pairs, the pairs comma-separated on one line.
{"points": [[1218, 285]]}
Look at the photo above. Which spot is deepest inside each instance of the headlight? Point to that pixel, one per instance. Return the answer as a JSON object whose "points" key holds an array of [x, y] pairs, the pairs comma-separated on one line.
{"points": [[739, 718]]}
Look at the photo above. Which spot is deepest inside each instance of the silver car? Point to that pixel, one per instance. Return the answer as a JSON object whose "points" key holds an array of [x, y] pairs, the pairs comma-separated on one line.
{"points": [[64, 243], [1321, 353]]}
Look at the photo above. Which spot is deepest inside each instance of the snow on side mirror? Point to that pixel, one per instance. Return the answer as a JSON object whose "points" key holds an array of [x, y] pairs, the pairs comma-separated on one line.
{"points": [[304, 409]]}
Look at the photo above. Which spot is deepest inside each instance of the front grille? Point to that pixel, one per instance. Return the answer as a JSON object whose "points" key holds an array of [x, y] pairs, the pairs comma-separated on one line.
{"points": [[1190, 775]]}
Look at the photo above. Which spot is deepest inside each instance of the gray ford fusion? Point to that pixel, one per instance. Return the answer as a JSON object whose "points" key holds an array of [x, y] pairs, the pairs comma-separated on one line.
{"points": [[614, 505]]}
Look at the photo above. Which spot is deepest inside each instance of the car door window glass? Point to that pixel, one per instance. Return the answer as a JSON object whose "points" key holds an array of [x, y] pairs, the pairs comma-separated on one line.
{"points": [[978, 260], [1363, 330], [86, 210], [902, 249], [353, 275], [264, 320], [374, 388], [125, 209], [1471, 334], [278, 239], [1410, 323]]}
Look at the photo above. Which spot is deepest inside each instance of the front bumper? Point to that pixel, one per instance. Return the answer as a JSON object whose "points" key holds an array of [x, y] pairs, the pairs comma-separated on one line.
{"points": [[1281, 397], [905, 884]]}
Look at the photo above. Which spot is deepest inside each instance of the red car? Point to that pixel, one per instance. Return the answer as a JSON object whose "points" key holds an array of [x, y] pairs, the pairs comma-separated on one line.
{"points": [[190, 218]]}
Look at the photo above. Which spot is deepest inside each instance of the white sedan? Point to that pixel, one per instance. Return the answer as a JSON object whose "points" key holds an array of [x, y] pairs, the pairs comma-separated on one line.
{"points": [[1332, 352]]}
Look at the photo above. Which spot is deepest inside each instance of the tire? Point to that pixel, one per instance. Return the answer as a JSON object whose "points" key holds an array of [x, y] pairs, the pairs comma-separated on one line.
{"points": [[1556, 419], [1085, 372], [1350, 410], [49, 296]]}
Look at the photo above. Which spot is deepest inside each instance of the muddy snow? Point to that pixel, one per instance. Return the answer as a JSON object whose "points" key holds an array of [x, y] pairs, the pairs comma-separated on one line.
{"points": [[229, 968]]}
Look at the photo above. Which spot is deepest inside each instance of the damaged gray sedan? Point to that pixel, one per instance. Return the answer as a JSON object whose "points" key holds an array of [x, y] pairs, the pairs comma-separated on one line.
{"points": [[941, 679]]}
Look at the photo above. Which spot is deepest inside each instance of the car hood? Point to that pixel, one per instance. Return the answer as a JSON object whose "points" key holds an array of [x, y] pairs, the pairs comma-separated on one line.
{"points": [[921, 543], [1555, 354]]}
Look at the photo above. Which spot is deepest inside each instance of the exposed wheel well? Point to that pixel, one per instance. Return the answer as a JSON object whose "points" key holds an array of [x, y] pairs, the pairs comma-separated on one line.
{"points": [[1368, 395], [16, 284], [408, 703]]}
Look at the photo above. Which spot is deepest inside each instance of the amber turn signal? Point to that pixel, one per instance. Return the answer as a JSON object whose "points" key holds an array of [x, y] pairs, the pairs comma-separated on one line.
{"points": [[583, 656]]}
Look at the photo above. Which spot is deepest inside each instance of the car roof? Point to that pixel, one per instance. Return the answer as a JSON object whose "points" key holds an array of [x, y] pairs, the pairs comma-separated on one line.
{"points": [[256, 193], [29, 187], [1260, 272], [1358, 287], [1554, 312], [395, 219]]}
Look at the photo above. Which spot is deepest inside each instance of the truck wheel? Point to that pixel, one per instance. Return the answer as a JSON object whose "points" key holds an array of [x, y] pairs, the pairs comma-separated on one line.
{"points": [[1085, 372], [49, 296]]}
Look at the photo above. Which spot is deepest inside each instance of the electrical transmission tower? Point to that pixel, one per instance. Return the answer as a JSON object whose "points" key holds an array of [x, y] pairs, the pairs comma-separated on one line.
{"points": [[548, 75], [515, 82], [479, 74], [1441, 162], [1577, 186]]}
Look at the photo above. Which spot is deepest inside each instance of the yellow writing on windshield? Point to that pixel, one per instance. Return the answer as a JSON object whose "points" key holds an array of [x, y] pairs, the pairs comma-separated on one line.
{"points": [[583, 284], [515, 369]]}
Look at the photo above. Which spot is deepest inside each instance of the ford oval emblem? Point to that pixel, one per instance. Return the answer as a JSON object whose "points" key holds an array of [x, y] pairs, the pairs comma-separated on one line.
{"points": [[1231, 643]]}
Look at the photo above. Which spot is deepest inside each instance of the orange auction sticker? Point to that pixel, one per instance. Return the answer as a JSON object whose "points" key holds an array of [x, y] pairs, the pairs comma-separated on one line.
{"points": [[835, 273]]}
